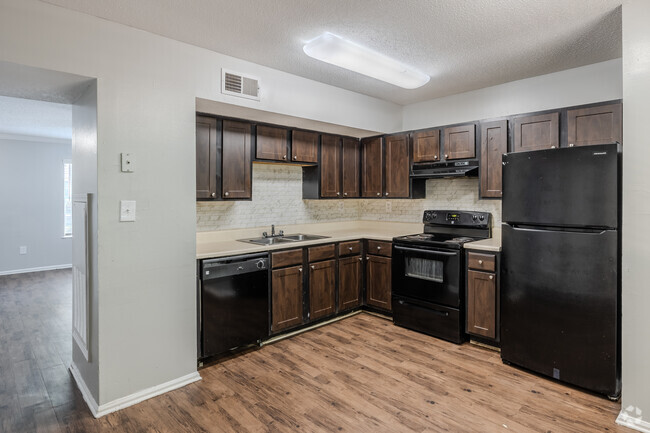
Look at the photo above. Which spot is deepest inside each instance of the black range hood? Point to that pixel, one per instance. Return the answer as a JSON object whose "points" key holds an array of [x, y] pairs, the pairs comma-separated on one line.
{"points": [[468, 168]]}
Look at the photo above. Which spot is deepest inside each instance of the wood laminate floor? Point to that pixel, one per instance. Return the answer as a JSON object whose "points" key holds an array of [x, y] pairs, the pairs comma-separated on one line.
{"points": [[361, 374]]}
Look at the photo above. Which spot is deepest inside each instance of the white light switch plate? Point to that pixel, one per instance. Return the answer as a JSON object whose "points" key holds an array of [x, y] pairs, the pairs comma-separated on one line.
{"points": [[127, 210], [128, 162], [22, 250]]}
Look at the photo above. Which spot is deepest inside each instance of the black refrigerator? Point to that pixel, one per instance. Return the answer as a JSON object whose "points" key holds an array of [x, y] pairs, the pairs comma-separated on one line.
{"points": [[560, 267]]}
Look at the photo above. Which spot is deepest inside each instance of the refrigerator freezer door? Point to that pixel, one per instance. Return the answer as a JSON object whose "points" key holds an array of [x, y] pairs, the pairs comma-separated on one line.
{"points": [[560, 307], [575, 187]]}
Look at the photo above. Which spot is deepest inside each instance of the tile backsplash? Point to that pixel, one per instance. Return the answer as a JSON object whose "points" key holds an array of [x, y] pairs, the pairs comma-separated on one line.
{"points": [[277, 199]]}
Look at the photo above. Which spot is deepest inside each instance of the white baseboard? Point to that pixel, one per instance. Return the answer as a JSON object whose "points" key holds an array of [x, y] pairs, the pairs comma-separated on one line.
{"points": [[627, 420], [129, 400], [39, 269]]}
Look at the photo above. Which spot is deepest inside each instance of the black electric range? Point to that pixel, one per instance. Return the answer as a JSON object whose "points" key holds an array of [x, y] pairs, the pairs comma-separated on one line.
{"points": [[428, 284]]}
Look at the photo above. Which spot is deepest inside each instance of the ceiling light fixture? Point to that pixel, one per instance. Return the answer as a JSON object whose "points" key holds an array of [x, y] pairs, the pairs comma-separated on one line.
{"points": [[340, 52]]}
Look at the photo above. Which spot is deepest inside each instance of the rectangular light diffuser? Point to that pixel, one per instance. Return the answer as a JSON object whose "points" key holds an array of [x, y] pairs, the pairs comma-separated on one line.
{"points": [[340, 52]]}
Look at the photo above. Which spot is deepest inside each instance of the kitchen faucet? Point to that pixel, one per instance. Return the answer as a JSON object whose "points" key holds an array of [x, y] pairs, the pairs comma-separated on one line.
{"points": [[273, 235]]}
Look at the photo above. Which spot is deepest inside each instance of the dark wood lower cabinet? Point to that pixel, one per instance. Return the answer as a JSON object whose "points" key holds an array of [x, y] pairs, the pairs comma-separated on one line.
{"points": [[481, 303], [286, 298], [378, 282], [350, 273], [322, 289]]}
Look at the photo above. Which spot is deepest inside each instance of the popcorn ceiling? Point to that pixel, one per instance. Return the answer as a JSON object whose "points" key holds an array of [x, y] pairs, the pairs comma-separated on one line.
{"points": [[277, 199]]}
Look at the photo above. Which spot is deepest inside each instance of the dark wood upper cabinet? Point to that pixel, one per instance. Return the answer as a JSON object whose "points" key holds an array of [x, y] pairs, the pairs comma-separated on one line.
{"points": [[330, 163], [236, 160], [304, 146], [426, 146], [286, 298], [378, 282], [481, 303], [271, 143], [322, 289], [460, 142], [206, 157], [372, 163], [536, 132], [350, 273], [351, 167], [396, 166], [494, 143], [595, 125]]}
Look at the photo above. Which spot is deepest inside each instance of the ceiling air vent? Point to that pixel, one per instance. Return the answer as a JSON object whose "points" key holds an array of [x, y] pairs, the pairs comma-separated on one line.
{"points": [[236, 84]]}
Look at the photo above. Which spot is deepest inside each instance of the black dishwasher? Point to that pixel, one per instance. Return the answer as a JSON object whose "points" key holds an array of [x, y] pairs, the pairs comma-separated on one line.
{"points": [[234, 306]]}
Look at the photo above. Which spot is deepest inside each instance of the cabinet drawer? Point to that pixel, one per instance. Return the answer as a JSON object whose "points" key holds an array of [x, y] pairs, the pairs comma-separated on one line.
{"points": [[379, 248], [349, 248], [286, 258], [483, 262], [321, 253]]}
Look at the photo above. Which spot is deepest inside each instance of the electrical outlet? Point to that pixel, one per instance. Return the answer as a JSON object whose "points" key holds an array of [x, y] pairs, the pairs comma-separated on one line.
{"points": [[22, 250], [127, 210], [389, 207]]}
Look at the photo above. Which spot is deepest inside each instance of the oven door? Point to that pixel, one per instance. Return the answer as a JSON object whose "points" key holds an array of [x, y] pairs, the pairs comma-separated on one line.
{"points": [[431, 275]]}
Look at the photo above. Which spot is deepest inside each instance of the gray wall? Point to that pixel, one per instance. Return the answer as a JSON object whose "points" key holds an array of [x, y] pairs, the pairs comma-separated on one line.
{"points": [[31, 205], [636, 209]]}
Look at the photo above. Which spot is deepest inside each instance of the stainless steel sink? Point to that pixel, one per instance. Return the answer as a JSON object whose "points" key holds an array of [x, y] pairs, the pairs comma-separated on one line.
{"points": [[298, 237]]}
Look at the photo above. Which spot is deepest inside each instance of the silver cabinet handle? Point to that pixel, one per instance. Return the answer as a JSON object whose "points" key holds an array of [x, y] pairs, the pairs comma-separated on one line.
{"points": [[378, 248], [446, 156], [435, 156], [295, 157], [350, 248], [552, 147], [480, 262], [571, 144], [386, 194], [361, 259], [338, 193], [226, 193], [313, 267], [345, 194], [492, 277], [379, 193], [299, 269], [284, 156], [214, 194]]}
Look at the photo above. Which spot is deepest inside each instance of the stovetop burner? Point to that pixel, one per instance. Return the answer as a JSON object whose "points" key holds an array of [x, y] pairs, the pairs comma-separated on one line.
{"points": [[436, 239]]}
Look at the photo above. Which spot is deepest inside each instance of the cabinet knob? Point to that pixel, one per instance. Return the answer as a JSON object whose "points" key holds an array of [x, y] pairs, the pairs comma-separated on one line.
{"points": [[299, 269], [379, 194], [214, 194], [386, 194], [295, 157], [552, 147], [284, 156], [338, 193], [492, 277], [435, 156], [480, 262], [345, 194], [313, 267], [350, 248], [446, 156], [378, 248], [361, 259], [226, 193], [571, 144]]}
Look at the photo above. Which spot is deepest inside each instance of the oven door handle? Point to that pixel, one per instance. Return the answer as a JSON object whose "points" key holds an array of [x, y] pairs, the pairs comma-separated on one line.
{"points": [[419, 251]]}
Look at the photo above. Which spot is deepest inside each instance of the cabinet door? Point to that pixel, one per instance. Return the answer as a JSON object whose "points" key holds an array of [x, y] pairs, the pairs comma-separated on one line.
{"points": [[206, 157], [426, 146], [397, 166], [330, 163], [536, 132], [322, 295], [372, 162], [481, 304], [286, 298], [271, 143], [494, 143], [351, 167], [349, 282], [378, 281], [304, 146], [595, 125], [460, 142], [236, 160]]}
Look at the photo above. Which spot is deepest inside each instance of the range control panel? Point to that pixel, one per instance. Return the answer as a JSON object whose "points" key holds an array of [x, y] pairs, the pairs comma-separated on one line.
{"points": [[457, 218]]}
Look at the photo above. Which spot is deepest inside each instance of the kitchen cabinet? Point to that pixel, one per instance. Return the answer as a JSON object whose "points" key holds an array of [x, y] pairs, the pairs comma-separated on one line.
{"points": [[206, 157], [350, 275], [322, 289], [536, 132], [351, 167], [601, 124], [426, 146], [330, 166], [378, 275], [494, 143], [236, 160], [304, 146], [482, 294], [460, 142], [286, 290], [372, 163], [271, 143], [396, 166]]}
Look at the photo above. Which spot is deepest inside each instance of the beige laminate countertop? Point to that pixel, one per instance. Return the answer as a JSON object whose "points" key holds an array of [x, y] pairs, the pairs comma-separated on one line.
{"points": [[491, 244], [224, 243]]}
